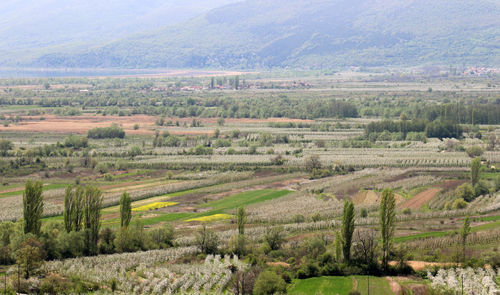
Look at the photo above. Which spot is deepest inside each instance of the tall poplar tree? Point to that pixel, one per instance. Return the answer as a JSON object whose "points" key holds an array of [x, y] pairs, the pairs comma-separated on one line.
{"points": [[92, 218], [69, 208], [32, 207], [242, 219], [79, 207], [464, 232], [387, 223], [347, 229], [475, 170], [125, 210]]}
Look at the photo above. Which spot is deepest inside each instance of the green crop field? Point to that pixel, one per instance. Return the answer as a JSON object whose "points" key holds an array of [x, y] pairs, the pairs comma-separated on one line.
{"points": [[340, 286], [322, 285]]}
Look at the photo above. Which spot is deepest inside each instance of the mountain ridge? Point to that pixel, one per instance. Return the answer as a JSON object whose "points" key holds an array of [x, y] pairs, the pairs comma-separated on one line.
{"points": [[309, 34]]}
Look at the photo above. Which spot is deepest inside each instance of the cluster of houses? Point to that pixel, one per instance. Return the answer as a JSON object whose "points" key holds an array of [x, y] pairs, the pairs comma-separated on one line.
{"points": [[480, 71]]}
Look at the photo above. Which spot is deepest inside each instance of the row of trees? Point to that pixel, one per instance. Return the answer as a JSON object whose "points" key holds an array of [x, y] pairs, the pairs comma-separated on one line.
{"points": [[439, 129], [82, 211], [387, 222]]}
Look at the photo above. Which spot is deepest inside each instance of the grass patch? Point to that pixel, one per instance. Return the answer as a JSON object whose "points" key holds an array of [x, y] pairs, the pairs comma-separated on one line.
{"points": [[322, 285], [487, 218], [488, 175], [378, 285], [165, 218], [244, 199]]}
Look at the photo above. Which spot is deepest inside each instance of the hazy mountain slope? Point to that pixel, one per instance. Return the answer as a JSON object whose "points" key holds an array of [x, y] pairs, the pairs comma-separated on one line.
{"points": [[312, 33], [38, 24]]}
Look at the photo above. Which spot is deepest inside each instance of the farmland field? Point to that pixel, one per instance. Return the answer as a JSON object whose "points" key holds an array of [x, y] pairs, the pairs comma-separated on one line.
{"points": [[323, 285], [243, 183]]}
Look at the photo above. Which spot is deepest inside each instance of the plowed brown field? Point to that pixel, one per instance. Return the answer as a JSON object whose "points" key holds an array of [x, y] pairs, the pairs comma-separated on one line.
{"points": [[421, 198], [82, 124]]}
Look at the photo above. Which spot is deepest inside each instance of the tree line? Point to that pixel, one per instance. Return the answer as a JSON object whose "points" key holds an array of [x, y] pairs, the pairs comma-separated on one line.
{"points": [[438, 129]]}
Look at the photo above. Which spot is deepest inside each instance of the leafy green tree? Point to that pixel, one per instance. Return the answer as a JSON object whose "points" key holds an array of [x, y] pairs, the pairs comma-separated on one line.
{"points": [[238, 245], [313, 162], [71, 244], [124, 241], [73, 208], [274, 237], [465, 191], [481, 188], [338, 246], [207, 240], [5, 146], [347, 229], [135, 151], [125, 209], [474, 151], [387, 223], [32, 207], [5, 255], [69, 208], [6, 231], [79, 206], [242, 219], [268, 283], [92, 218], [30, 256], [107, 237], [475, 170], [162, 237], [459, 203], [464, 232]]}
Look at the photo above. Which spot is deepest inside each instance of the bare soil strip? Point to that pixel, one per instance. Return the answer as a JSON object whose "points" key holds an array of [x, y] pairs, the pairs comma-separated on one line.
{"points": [[421, 198]]}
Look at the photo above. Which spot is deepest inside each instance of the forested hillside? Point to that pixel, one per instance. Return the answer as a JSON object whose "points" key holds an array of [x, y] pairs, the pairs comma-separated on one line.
{"points": [[30, 28], [310, 34]]}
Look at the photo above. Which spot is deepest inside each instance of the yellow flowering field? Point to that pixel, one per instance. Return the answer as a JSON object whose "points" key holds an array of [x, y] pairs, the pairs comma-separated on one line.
{"points": [[211, 218], [152, 206]]}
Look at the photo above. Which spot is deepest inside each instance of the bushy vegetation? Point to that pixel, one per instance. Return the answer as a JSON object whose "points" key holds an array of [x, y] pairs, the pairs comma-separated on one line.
{"points": [[107, 132]]}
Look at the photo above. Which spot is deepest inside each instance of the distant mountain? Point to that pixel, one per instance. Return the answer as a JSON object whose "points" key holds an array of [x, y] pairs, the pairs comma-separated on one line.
{"points": [[37, 26], [310, 34]]}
